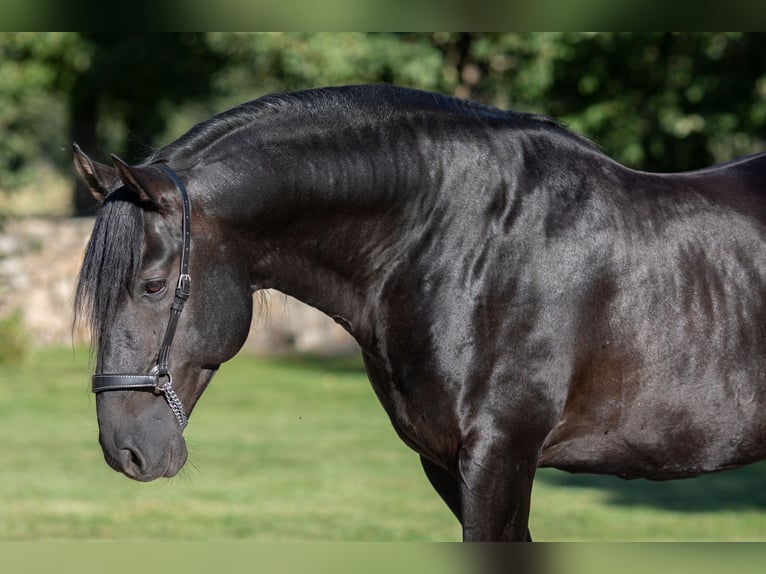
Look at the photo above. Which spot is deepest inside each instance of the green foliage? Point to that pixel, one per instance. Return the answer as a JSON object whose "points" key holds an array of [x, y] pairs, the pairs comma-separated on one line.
{"points": [[134, 81], [664, 101], [33, 82], [14, 341], [268, 62], [293, 61]]}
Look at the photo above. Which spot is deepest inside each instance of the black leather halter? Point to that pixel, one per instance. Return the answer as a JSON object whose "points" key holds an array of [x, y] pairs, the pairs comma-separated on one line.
{"points": [[159, 379]]}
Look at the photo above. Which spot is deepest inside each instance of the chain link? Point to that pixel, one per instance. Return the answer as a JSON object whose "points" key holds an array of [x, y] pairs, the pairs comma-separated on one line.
{"points": [[175, 404]]}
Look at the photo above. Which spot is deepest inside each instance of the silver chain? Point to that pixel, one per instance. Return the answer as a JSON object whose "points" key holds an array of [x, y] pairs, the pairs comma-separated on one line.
{"points": [[175, 404]]}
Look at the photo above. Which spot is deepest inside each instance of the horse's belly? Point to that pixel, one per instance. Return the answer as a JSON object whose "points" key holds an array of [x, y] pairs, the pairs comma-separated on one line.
{"points": [[689, 447], [673, 404]]}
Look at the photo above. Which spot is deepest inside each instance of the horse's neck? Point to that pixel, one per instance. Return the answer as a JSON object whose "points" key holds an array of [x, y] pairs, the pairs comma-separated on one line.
{"points": [[330, 218], [325, 224]]}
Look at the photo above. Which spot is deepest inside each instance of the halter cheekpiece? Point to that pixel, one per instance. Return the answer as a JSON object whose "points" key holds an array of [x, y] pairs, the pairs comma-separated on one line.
{"points": [[159, 379]]}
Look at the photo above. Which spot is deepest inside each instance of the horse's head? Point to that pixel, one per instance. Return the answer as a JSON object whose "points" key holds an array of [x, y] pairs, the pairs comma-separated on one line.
{"points": [[144, 269]]}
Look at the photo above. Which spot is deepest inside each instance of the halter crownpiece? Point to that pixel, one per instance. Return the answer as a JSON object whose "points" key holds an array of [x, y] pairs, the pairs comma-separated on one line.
{"points": [[159, 378]]}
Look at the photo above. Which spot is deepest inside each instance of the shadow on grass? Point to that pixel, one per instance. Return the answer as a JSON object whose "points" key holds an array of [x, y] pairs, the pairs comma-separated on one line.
{"points": [[741, 489]]}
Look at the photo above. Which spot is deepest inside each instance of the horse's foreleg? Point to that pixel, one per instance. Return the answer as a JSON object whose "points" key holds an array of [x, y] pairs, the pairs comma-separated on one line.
{"points": [[495, 490], [445, 484]]}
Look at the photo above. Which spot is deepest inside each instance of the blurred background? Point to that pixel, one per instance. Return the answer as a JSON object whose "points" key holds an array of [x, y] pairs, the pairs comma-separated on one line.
{"points": [[653, 101]]}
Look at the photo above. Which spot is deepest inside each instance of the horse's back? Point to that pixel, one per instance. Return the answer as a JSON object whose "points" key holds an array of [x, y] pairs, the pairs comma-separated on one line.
{"points": [[752, 165], [738, 180]]}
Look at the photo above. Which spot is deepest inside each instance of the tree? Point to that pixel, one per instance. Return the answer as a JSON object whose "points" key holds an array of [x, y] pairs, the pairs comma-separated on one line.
{"points": [[34, 74], [665, 101], [131, 84], [104, 90]]}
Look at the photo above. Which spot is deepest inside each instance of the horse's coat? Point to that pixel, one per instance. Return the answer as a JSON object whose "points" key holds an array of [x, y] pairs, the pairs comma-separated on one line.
{"points": [[521, 300]]}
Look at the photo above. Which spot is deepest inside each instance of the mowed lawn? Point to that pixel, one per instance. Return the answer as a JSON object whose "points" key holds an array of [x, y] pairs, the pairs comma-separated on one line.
{"points": [[300, 450]]}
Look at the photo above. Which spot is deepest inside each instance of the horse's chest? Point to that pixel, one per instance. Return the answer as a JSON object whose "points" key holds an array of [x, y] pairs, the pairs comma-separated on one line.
{"points": [[417, 410]]}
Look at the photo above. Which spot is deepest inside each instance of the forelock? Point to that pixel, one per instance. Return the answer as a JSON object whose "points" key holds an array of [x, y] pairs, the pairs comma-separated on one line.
{"points": [[111, 261]]}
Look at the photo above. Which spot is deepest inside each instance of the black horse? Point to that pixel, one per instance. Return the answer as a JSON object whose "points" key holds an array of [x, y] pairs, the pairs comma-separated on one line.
{"points": [[520, 299]]}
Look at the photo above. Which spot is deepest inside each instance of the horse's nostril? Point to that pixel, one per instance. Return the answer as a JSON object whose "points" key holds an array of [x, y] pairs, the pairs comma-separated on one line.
{"points": [[132, 461], [134, 458]]}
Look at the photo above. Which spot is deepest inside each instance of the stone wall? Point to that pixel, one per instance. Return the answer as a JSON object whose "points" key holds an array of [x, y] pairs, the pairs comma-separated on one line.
{"points": [[39, 262]]}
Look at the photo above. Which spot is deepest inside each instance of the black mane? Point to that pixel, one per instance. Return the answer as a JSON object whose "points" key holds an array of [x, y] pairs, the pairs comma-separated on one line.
{"points": [[112, 258], [373, 102]]}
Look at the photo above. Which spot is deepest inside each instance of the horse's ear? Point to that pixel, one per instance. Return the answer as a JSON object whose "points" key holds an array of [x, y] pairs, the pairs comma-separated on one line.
{"points": [[100, 178], [146, 182]]}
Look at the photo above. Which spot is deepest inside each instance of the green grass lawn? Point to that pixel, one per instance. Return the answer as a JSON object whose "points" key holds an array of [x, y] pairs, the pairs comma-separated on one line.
{"points": [[298, 450]]}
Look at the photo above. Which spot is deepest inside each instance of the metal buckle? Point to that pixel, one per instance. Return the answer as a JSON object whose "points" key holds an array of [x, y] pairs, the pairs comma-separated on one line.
{"points": [[160, 388], [183, 288], [159, 384]]}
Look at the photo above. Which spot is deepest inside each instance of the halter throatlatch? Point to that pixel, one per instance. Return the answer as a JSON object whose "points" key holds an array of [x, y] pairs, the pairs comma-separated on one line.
{"points": [[159, 378]]}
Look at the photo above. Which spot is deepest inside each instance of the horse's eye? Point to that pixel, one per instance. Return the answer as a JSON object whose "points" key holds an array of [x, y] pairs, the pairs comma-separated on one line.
{"points": [[155, 286]]}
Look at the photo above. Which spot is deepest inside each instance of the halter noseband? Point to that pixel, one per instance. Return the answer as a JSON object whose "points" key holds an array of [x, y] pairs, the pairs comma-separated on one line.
{"points": [[159, 378]]}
